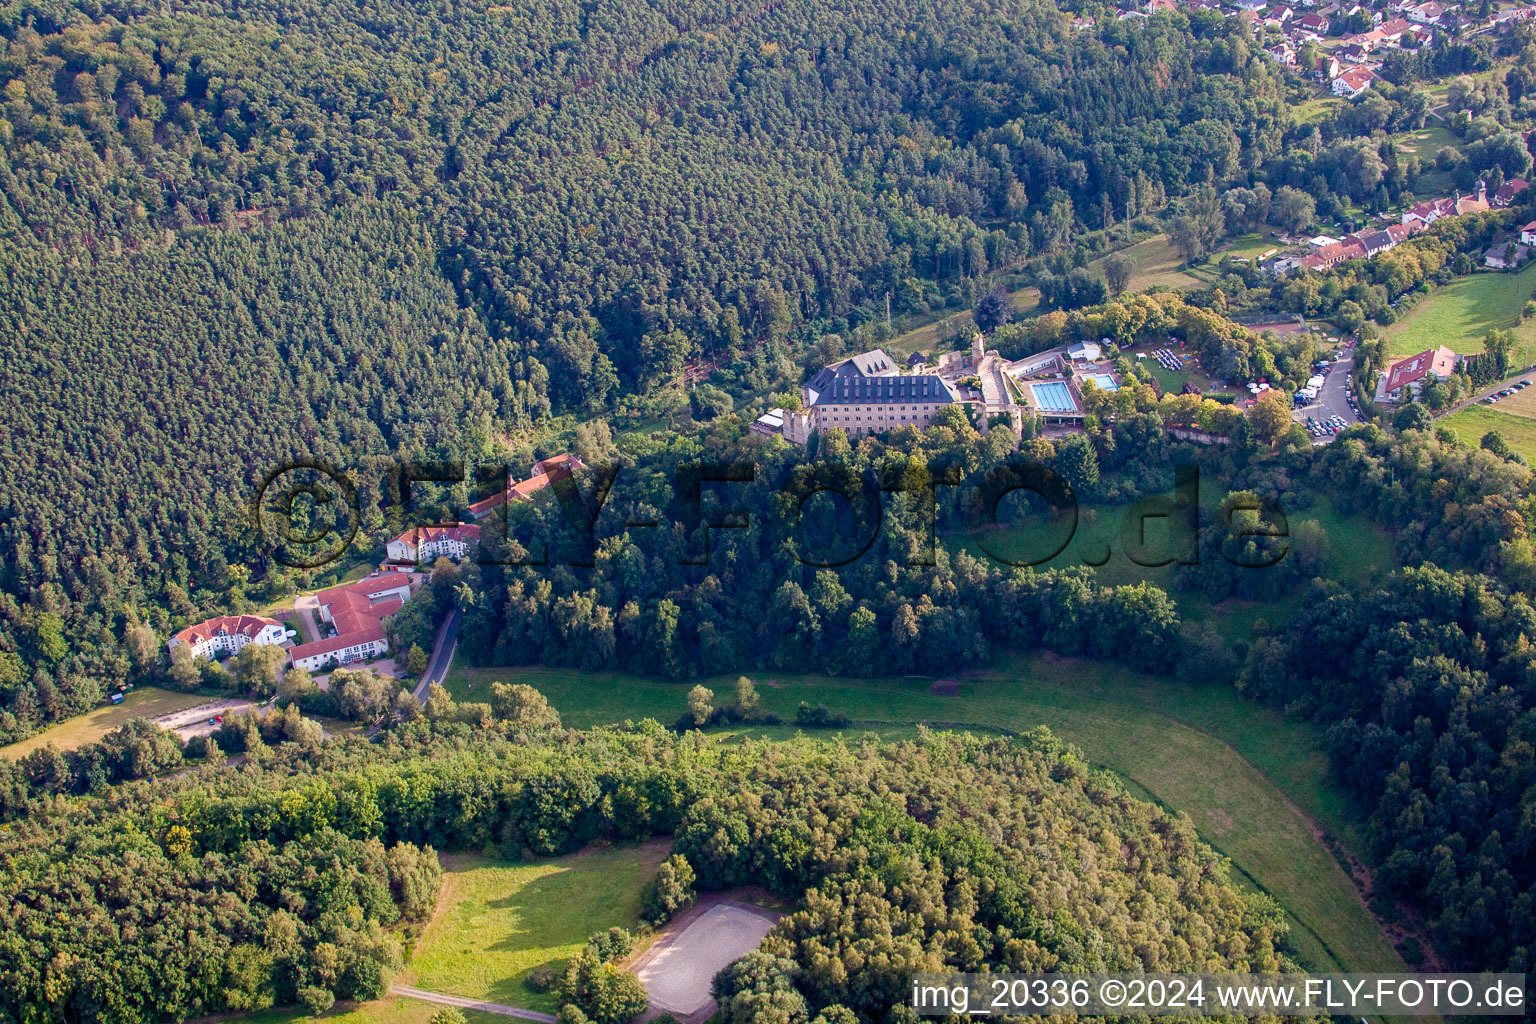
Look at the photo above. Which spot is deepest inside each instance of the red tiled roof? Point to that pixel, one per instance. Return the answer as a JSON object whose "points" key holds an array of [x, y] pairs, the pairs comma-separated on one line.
{"points": [[1440, 361], [337, 643], [545, 472], [224, 625], [356, 613], [418, 535]]}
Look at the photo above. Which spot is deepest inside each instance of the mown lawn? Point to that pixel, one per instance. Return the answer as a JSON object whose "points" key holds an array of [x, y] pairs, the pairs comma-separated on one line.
{"points": [[143, 702], [1241, 772], [1471, 423], [498, 920], [1461, 313]]}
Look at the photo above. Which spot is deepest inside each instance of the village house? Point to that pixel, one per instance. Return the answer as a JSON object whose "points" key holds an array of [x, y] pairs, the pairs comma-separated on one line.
{"points": [[225, 635], [1328, 68], [1528, 234], [356, 613], [1330, 256], [1313, 24], [1410, 375], [1506, 256], [1426, 14], [1506, 193], [1353, 83]]}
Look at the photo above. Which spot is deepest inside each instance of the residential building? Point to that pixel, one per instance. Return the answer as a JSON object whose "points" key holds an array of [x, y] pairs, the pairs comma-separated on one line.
{"points": [[1426, 14], [1528, 234], [1373, 242], [1412, 373], [225, 635], [1506, 256], [356, 613], [1506, 193], [1330, 256], [1313, 24], [1353, 83], [426, 544]]}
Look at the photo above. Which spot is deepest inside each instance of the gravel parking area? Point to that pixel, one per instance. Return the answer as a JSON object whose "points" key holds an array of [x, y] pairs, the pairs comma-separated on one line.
{"points": [[678, 969]]}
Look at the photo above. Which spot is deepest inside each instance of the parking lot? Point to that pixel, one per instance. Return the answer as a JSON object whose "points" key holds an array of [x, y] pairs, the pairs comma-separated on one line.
{"points": [[1334, 409], [1508, 391]]}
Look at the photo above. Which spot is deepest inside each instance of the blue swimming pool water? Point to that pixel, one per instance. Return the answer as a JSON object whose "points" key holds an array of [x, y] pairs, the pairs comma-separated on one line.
{"points": [[1104, 381], [1053, 396]]}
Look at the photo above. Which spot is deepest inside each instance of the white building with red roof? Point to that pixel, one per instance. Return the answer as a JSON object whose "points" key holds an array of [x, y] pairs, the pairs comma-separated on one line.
{"points": [[1411, 373], [429, 543], [226, 634], [356, 612], [1353, 82]]}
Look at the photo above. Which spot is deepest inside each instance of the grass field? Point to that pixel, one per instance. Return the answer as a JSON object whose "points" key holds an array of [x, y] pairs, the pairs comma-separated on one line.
{"points": [[383, 1011], [1157, 262], [1518, 428], [143, 702], [1316, 110], [928, 337], [496, 920], [1461, 313], [1194, 748]]}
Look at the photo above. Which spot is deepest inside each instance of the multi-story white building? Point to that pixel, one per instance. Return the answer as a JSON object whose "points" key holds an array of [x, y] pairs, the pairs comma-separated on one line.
{"points": [[357, 612], [225, 635], [429, 543]]}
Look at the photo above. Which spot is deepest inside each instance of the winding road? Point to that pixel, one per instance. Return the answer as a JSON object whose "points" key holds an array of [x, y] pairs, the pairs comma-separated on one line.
{"points": [[442, 655]]}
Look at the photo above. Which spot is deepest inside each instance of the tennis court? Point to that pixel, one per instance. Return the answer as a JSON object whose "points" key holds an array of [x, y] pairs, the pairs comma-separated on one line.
{"points": [[1053, 396]]}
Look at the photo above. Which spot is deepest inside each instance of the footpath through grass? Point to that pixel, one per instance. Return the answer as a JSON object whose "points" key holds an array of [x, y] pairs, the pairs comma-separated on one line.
{"points": [[1252, 782], [497, 920], [143, 702]]}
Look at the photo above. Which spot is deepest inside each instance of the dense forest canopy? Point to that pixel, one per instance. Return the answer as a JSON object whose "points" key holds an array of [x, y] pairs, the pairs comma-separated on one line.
{"points": [[234, 888], [231, 237]]}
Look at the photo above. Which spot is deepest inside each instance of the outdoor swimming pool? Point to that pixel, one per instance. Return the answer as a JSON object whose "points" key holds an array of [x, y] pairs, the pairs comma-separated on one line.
{"points": [[1104, 381], [1053, 396]]}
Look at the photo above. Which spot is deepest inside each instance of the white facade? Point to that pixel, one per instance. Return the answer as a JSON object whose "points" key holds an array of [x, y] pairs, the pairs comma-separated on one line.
{"points": [[226, 635]]}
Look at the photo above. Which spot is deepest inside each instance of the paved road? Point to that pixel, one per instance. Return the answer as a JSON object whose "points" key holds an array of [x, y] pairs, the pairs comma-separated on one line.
{"points": [[1333, 397], [472, 1004], [442, 655], [1479, 396]]}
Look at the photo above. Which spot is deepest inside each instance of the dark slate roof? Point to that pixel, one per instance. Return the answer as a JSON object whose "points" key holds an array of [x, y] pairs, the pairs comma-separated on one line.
{"points": [[823, 380], [871, 363], [1377, 240], [916, 359], [864, 390]]}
